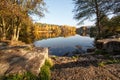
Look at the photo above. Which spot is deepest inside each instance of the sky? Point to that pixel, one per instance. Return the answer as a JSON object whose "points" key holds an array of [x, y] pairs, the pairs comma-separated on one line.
{"points": [[60, 12]]}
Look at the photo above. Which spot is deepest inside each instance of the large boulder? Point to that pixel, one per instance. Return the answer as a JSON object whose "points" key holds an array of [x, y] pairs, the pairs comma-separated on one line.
{"points": [[18, 60], [110, 45]]}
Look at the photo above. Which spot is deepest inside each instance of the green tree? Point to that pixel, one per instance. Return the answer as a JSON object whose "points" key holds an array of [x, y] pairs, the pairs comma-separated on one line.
{"points": [[114, 24], [86, 9], [110, 26], [115, 21]]}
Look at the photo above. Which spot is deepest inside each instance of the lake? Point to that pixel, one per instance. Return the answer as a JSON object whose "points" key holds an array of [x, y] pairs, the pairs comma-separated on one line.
{"points": [[62, 46]]}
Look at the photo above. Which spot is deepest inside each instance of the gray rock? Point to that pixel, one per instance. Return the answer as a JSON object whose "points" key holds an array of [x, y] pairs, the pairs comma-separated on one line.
{"points": [[21, 60], [110, 45]]}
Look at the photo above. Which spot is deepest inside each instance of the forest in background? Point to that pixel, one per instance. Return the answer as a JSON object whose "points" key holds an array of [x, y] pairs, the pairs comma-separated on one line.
{"points": [[51, 30], [16, 24]]}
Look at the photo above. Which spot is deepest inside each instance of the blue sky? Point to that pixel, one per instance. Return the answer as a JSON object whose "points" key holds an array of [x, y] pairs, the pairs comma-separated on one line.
{"points": [[60, 12]]}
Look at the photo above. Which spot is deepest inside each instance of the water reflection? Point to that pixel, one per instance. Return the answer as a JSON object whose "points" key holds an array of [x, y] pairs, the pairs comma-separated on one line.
{"points": [[46, 35], [63, 45]]}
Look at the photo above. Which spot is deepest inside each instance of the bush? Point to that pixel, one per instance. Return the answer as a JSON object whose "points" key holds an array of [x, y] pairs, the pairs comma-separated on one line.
{"points": [[45, 73], [49, 62]]}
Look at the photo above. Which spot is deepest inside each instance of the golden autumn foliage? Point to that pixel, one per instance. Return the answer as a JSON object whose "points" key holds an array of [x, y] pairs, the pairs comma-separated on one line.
{"points": [[11, 20], [49, 30], [15, 23]]}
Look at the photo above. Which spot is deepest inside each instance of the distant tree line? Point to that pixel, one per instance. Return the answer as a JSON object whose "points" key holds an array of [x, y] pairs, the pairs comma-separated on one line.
{"points": [[52, 30]]}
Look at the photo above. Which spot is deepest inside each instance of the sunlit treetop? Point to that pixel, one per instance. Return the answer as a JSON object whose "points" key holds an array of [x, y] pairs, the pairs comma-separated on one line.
{"points": [[31, 6]]}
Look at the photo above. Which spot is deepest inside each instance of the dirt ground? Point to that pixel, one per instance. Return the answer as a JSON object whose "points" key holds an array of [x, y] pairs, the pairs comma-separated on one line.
{"points": [[85, 67]]}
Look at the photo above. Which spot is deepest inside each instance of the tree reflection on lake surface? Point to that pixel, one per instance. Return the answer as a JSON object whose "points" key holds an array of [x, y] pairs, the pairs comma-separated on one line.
{"points": [[65, 45]]}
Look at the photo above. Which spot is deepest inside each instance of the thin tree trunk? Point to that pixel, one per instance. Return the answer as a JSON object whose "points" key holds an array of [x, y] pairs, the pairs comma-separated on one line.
{"points": [[14, 34], [17, 35], [4, 29], [98, 19]]}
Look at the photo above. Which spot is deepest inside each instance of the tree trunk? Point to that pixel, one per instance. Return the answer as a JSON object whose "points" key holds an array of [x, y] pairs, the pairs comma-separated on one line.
{"points": [[17, 35], [98, 19], [3, 29], [14, 34]]}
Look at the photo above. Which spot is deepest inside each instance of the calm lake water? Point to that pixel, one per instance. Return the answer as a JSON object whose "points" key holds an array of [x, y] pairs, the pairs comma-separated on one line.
{"points": [[66, 45]]}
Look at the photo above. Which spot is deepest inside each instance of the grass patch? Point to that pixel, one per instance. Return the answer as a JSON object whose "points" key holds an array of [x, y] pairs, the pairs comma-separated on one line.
{"points": [[54, 57], [101, 64], [45, 73], [75, 57], [25, 76], [112, 61], [49, 63]]}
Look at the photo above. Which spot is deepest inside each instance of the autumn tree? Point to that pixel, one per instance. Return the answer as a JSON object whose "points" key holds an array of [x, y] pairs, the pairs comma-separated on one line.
{"points": [[14, 18], [31, 6], [6, 15]]}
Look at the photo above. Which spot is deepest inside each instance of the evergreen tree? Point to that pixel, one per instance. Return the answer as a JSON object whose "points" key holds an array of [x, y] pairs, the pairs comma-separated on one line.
{"points": [[86, 9]]}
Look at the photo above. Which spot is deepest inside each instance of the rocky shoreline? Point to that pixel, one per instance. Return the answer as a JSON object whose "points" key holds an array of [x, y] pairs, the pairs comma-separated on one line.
{"points": [[17, 59], [85, 67], [21, 58]]}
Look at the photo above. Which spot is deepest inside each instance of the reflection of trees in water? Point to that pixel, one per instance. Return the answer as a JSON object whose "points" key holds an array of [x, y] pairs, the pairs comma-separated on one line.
{"points": [[84, 31], [44, 31], [45, 35]]}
